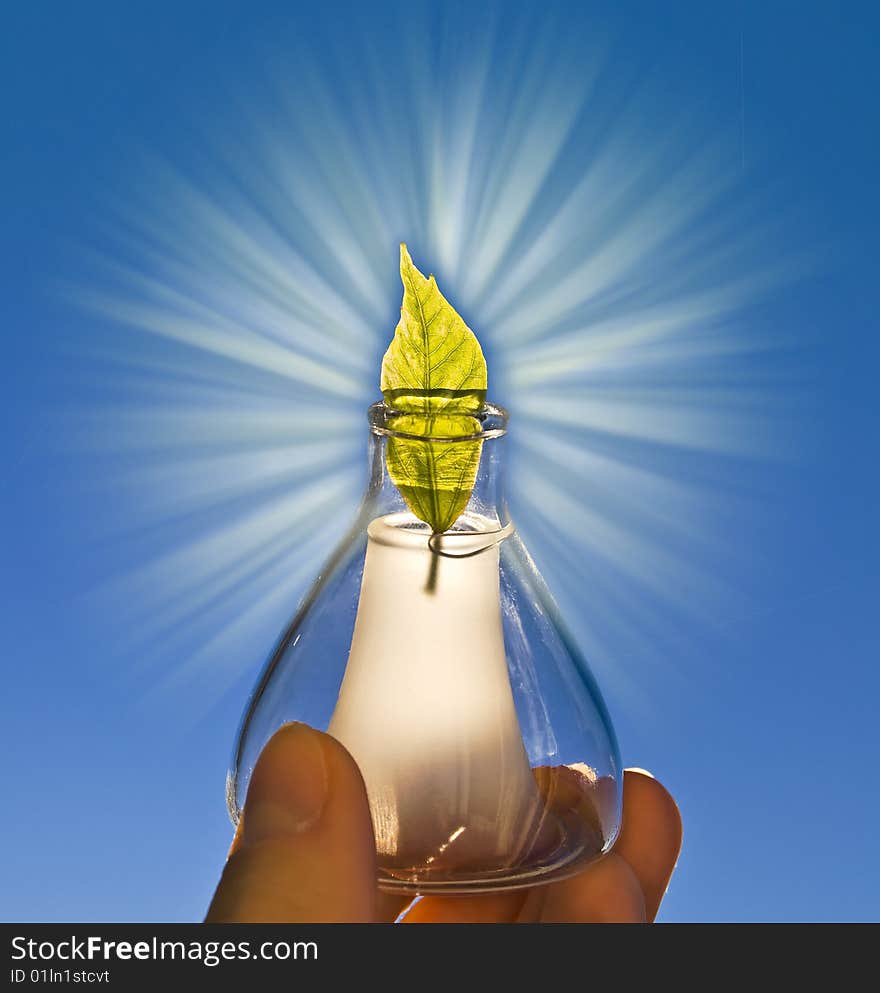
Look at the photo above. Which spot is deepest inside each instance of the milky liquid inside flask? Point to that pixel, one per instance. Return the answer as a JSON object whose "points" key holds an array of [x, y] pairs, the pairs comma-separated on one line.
{"points": [[443, 666]]}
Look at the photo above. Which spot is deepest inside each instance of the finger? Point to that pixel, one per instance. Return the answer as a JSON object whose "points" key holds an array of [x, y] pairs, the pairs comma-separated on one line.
{"points": [[483, 908], [628, 884], [606, 892], [304, 851], [625, 888], [650, 835]]}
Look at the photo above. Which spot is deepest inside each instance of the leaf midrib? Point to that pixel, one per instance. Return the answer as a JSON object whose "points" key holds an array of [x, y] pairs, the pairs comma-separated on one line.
{"points": [[426, 377]]}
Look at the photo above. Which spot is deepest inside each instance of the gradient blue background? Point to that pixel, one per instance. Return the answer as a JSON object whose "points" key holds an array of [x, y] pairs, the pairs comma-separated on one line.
{"points": [[114, 811]]}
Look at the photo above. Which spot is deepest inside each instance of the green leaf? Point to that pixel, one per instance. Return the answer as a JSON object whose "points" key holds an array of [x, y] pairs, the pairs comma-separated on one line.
{"points": [[434, 373], [434, 477], [434, 364]]}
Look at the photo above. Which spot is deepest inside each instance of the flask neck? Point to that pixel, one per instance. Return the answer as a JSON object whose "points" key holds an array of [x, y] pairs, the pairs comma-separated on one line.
{"points": [[463, 474]]}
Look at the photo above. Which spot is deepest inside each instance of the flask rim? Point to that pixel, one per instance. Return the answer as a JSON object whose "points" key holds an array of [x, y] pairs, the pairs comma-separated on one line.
{"points": [[492, 420]]}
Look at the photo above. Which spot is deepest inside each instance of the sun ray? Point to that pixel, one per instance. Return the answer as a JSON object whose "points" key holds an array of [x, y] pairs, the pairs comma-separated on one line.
{"points": [[242, 299]]}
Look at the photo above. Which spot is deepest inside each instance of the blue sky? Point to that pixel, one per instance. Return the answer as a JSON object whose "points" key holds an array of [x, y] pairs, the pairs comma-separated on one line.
{"points": [[663, 224]]}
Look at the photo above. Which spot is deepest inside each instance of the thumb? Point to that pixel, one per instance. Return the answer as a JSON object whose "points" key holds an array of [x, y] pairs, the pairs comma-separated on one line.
{"points": [[304, 850]]}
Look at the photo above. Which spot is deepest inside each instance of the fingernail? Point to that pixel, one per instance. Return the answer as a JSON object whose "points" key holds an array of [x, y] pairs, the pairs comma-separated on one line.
{"points": [[288, 789]]}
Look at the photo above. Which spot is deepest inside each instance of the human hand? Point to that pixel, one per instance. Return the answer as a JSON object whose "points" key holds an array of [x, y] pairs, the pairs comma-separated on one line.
{"points": [[304, 853]]}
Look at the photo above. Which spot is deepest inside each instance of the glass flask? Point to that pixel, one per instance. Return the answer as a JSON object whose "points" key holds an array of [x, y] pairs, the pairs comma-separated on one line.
{"points": [[442, 664]]}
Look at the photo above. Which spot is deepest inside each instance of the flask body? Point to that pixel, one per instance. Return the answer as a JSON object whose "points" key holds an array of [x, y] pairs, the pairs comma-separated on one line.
{"points": [[443, 666]]}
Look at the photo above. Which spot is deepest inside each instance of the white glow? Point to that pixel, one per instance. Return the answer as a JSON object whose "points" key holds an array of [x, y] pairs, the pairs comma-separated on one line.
{"points": [[426, 706], [244, 296]]}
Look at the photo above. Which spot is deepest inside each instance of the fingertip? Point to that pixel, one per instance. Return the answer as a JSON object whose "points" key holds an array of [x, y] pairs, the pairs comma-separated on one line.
{"points": [[650, 835], [304, 848], [653, 797], [299, 759], [344, 769], [296, 752], [288, 788]]}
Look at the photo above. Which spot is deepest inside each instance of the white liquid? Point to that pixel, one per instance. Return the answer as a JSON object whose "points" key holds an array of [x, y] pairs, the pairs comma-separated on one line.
{"points": [[426, 707]]}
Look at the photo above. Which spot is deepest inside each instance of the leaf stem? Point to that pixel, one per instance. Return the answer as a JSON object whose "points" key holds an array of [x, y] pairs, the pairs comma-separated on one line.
{"points": [[431, 584]]}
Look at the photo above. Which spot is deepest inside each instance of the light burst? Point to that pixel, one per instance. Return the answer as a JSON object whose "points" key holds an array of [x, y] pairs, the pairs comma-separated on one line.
{"points": [[606, 263]]}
